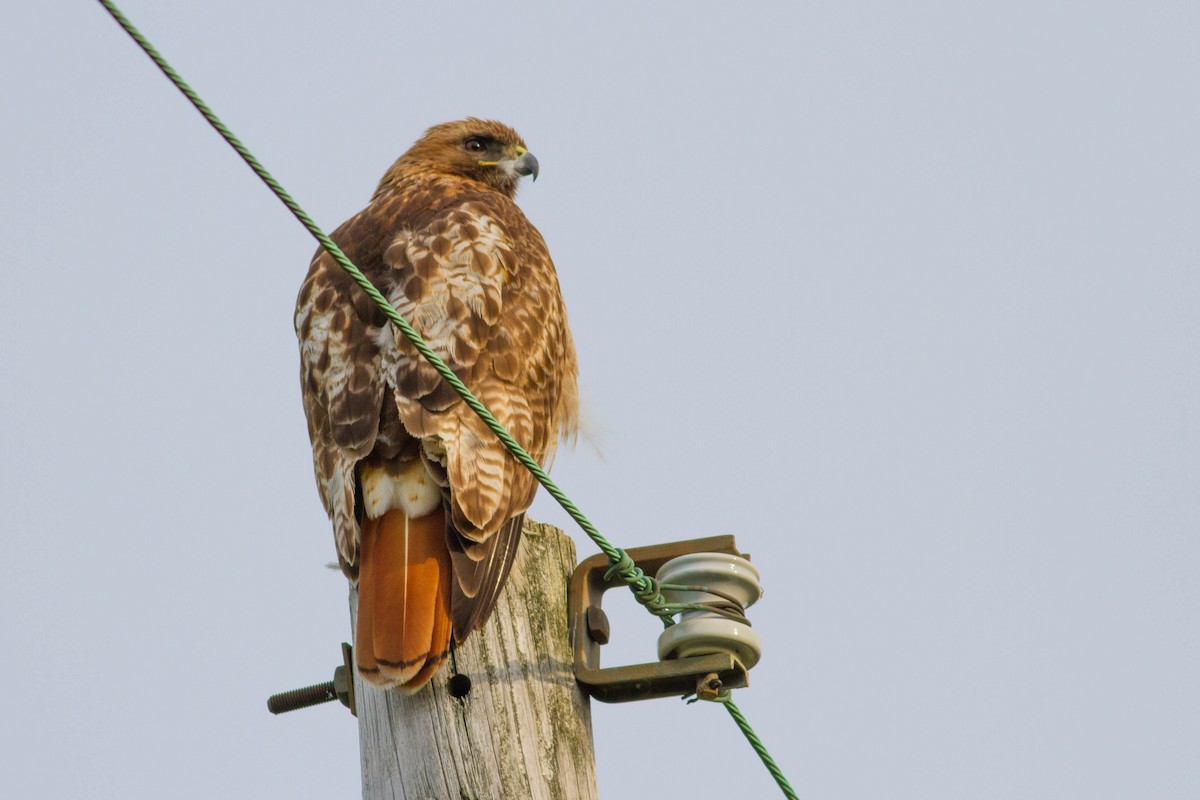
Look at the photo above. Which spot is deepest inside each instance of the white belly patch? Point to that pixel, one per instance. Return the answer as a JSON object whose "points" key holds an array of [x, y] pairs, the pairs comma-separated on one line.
{"points": [[413, 491]]}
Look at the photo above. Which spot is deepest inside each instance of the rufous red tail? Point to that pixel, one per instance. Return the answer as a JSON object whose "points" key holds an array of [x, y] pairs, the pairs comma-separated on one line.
{"points": [[403, 599]]}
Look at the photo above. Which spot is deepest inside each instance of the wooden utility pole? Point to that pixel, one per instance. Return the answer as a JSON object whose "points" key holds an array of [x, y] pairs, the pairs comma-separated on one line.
{"points": [[524, 729]]}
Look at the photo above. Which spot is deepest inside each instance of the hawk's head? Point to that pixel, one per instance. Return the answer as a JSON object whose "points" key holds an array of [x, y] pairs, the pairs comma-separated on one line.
{"points": [[482, 150]]}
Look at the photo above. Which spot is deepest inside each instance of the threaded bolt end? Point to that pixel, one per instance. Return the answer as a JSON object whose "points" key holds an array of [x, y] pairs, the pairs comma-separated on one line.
{"points": [[301, 698]]}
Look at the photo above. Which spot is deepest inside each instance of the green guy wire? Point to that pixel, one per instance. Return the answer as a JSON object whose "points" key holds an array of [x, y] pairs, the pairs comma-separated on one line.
{"points": [[622, 565], [726, 699], [644, 588]]}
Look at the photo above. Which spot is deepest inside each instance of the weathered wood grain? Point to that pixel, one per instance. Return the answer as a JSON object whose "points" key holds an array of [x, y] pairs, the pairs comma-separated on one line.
{"points": [[522, 733]]}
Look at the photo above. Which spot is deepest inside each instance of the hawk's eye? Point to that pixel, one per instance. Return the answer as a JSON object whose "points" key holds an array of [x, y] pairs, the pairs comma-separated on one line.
{"points": [[474, 145]]}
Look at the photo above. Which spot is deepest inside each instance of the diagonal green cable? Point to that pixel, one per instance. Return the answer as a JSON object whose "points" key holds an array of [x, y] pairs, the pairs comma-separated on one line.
{"points": [[643, 587], [726, 699]]}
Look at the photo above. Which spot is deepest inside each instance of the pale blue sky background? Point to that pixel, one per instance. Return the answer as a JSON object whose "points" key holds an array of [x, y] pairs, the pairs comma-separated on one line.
{"points": [[903, 295]]}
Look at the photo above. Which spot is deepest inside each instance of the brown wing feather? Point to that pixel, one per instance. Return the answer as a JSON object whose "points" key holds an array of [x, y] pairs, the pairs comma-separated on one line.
{"points": [[480, 571], [479, 285], [342, 390]]}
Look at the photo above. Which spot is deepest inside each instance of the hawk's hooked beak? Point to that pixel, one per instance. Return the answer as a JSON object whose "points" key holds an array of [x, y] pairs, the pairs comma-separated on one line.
{"points": [[525, 164]]}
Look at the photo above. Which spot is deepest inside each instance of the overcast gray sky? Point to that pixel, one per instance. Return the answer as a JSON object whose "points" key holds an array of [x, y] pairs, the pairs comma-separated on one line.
{"points": [[903, 295]]}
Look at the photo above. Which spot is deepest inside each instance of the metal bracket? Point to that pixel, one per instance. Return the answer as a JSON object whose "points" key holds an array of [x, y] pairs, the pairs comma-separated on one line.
{"points": [[589, 630], [343, 680]]}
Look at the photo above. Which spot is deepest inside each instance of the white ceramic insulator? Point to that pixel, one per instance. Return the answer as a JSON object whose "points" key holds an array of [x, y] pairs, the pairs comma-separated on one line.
{"points": [[702, 632]]}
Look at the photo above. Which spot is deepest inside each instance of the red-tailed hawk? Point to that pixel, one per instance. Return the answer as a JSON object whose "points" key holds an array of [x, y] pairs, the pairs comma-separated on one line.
{"points": [[426, 503]]}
